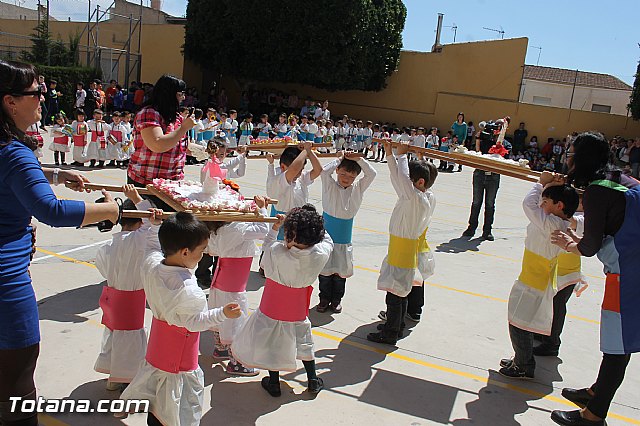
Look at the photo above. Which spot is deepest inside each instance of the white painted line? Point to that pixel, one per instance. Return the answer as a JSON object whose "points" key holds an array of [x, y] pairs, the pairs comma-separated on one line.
{"points": [[99, 243]]}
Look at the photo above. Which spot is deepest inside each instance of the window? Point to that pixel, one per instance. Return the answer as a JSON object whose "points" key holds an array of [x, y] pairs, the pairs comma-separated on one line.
{"points": [[541, 100], [601, 108]]}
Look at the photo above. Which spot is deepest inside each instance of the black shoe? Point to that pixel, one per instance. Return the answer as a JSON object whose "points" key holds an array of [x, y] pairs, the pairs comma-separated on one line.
{"points": [[322, 306], [545, 350], [400, 333], [580, 397], [515, 372], [383, 315], [574, 418], [381, 338], [413, 317], [204, 284], [469, 232], [488, 236], [315, 385], [506, 362], [272, 388]]}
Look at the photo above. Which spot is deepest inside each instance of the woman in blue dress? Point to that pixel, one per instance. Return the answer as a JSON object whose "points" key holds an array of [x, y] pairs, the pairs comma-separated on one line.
{"points": [[25, 192]]}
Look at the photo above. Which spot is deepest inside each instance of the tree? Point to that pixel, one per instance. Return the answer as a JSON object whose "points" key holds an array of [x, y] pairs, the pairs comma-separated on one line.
{"points": [[47, 51], [331, 44], [634, 104]]}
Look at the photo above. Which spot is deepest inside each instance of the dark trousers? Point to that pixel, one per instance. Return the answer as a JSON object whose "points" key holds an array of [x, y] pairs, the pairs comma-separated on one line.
{"points": [[153, 420], [610, 376], [17, 367], [45, 114], [205, 267], [484, 187], [332, 287], [396, 311], [559, 313], [415, 300], [522, 342]]}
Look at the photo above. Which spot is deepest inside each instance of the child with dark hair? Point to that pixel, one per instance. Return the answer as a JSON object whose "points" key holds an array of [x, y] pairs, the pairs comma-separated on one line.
{"points": [[549, 206], [80, 132], [246, 128], [408, 248], [279, 332], [217, 150], [97, 148], [170, 377], [60, 143], [234, 243], [290, 185], [123, 303], [341, 200]]}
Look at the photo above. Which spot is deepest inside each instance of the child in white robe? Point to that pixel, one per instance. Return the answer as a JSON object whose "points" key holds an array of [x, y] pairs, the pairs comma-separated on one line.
{"points": [[60, 143], [170, 377], [217, 150], [234, 243], [124, 341], [279, 332], [341, 200], [408, 255], [80, 131], [34, 132], [97, 148], [549, 205]]}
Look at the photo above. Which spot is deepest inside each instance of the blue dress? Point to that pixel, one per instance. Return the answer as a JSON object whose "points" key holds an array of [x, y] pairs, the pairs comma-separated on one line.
{"points": [[24, 192]]}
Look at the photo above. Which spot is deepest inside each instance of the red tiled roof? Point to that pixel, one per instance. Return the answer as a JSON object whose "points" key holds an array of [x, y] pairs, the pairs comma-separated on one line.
{"points": [[564, 76]]}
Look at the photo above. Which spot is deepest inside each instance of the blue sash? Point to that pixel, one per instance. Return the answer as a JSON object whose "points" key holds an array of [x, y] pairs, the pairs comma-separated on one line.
{"points": [[339, 229], [263, 135], [246, 133], [199, 137], [317, 140], [282, 134], [275, 212], [209, 134]]}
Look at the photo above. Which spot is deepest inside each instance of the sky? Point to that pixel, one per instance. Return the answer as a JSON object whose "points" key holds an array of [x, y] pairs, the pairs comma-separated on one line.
{"points": [[589, 35]]}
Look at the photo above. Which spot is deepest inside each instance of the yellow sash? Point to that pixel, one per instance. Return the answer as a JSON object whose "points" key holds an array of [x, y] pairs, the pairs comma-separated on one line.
{"points": [[568, 263], [423, 245], [403, 252], [538, 271]]}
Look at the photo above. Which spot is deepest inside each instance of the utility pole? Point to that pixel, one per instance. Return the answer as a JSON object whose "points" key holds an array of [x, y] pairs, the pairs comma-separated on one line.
{"points": [[454, 28], [539, 52]]}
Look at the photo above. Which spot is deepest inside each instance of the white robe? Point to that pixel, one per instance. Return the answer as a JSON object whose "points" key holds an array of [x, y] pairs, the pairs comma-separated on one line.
{"points": [[173, 296], [343, 203], [289, 195], [94, 150], [531, 308], [411, 216], [275, 345], [234, 240], [120, 262]]}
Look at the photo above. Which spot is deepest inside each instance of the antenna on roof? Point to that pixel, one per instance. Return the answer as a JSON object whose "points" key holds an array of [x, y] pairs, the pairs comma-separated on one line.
{"points": [[454, 28], [539, 52], [500, 31]]}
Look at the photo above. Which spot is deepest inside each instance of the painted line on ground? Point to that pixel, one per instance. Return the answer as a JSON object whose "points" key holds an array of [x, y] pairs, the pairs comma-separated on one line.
{"points": [[410, 359], [63, 257], [99, 243]]}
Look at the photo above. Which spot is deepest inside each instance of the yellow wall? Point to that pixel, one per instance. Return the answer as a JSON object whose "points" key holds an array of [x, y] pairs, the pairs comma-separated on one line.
{"points": [[161, 45]]}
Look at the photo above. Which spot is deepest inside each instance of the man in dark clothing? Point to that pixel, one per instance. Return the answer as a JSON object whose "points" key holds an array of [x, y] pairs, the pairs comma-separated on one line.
{"points": [[519, 139], [485, 186], [91, 101]]}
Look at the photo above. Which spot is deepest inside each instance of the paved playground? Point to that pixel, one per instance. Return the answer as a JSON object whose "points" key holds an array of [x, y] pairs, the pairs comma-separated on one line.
{"points": [[443, 372]]}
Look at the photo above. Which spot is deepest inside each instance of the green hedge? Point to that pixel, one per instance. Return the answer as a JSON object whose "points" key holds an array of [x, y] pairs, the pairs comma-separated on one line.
{"points": [[67, 77]]}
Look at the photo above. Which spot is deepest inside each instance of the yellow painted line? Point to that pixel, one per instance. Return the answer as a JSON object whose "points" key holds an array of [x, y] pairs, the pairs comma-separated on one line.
{"points": [[470, 293], [459, 373], [453, 371], [60, 256], [47, 420]]}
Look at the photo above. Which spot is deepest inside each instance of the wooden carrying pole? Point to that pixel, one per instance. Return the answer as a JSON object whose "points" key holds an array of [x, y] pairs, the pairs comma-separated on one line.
{"points": [[205, 217], [278, 146], [476, 161]]}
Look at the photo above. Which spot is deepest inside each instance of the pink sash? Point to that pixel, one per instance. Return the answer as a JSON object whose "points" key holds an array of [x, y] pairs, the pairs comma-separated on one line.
{"points": [[172, 349], [61, 140], [36, 135], [121, 309], [283, 303], [99, 137], [232, 274], [117, 134]]}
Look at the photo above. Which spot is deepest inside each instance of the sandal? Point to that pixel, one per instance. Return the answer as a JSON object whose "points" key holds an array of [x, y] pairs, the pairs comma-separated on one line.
{"points": [[240, 370]]}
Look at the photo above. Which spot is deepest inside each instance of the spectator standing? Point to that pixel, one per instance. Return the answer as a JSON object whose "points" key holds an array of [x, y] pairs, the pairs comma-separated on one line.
{"points": [[519, 138], [52, 102], [81, 95], [110, 94], [634, 158]]}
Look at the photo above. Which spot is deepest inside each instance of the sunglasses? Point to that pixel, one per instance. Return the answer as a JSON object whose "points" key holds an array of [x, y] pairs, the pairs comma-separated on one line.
{"points": [[38, 92]]}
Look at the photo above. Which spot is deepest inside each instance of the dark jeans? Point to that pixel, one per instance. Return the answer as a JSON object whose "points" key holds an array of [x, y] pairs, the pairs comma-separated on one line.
{"points": [[415, 300], [609, 379], [45, 114], [332, 287], [559, 313], [396, 311], [484, 187], [16, 379], [522, 342], [205, 266], [153, 420]]}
